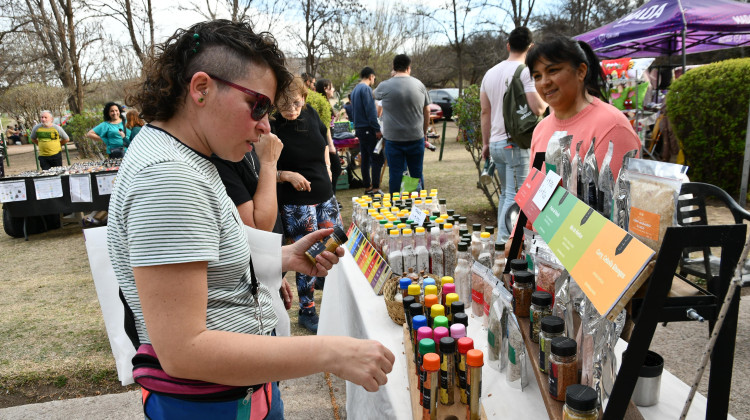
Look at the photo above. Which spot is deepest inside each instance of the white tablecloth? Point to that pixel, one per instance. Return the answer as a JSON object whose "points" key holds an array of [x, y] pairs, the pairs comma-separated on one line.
{"points": [[351, 308]]}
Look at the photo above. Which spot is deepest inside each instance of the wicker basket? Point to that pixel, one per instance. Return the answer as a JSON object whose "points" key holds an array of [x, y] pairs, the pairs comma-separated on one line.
{"points": [[395, 308]]}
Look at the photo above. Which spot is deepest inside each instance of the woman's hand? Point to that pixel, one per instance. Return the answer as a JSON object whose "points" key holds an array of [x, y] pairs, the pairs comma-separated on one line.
{"points": [[299, 182], [268, 148], [363, 362], [293, 256], [286, 294]]}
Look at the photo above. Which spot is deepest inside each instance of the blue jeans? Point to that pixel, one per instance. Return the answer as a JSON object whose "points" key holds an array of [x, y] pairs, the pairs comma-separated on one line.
{"points": [[371, 162], [402, 155], [512, 165]]}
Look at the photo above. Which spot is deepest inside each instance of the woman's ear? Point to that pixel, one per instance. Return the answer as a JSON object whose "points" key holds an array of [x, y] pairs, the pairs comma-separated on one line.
{"points": [[581, 71], [198, 88]]}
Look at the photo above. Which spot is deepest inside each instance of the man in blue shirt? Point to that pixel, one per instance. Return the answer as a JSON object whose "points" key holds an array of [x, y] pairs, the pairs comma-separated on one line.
{"points": [[367, 129]]}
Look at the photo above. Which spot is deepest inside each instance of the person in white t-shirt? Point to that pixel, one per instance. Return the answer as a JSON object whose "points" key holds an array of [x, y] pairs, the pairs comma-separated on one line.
{"points": [[511, 161]]}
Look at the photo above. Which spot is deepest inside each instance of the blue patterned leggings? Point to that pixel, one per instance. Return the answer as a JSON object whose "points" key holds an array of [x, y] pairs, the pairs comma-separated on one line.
{"points": [[299, 220]]}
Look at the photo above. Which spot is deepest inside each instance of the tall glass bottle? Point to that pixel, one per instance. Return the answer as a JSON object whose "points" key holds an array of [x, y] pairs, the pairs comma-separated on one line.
{"points": [[423, 254], [476, 241], [386, 243], [436, 252], [449, 250], [462, 274], [498, 266], [485, 252], [408, 252], [395, 257], [441, 206]]}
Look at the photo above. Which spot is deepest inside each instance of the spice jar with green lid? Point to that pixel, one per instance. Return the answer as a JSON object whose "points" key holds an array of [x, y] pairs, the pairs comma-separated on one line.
{"points": [[541, 306], [552, 327], [580, 403]]}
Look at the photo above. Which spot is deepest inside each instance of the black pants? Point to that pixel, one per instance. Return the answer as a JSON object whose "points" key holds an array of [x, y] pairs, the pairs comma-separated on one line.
{"points": [[47, 162], [335, 169], [372, 162]]}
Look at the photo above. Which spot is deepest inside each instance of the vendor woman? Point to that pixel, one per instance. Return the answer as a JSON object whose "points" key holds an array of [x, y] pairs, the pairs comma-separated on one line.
{"points": [[568, 77]]}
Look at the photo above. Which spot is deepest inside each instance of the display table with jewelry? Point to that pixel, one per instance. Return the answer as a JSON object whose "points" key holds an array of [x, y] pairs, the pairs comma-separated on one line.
{"points": [[82, 187]]}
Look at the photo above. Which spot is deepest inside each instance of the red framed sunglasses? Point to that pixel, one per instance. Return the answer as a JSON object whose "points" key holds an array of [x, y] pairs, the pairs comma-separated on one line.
{"points": [[262, 105]]}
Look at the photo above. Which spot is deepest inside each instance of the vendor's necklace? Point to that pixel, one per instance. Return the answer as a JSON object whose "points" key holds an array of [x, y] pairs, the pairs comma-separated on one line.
{"points": [[252, 165]]}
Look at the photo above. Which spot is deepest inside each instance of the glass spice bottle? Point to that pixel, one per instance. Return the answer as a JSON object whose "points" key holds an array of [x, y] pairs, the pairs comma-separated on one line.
{"points": [[476, 240], [541, 306], [420, 248], [407, 251], [436, 252], [516, 265], [552, 327], [462, 274], [449, 251], [498, 266], [563, 368], [485, 252], [580, 403], [395, 258], [523, 287]]}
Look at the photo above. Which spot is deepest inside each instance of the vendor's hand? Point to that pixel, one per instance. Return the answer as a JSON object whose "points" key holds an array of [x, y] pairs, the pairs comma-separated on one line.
{"points": [[293, 256], [299, 182], [378, 135], [268, 148], [286, 294], [363, 362], [486, 151]]}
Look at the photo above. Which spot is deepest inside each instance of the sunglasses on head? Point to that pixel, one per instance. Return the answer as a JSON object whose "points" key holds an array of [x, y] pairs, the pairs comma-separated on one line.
{"points": [[262, 105]]}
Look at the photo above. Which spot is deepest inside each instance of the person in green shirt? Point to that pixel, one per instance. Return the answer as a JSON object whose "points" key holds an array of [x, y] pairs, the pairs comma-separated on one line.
{"points": [[49, 138]]}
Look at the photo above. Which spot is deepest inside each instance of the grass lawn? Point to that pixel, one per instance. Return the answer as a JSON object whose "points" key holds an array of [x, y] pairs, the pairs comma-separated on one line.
{"points": [[54, 344]]}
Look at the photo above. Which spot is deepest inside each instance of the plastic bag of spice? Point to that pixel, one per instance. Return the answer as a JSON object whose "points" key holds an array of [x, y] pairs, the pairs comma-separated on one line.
{"points": [[589, 177], [606, 184], [565, 164], [620, 195], [516, 375], [496, 336], [563, 305], [478, 272], [652, 192], [490, 284], [548, 270], [530, 240], [553, 153], [575, 172]]}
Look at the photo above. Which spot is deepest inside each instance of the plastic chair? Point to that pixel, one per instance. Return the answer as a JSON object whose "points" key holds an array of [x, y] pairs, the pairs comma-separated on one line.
{"points": [[691, 211]]}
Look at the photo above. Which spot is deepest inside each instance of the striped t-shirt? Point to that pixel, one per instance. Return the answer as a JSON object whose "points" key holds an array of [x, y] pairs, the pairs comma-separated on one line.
{"points": [[169, 206]]}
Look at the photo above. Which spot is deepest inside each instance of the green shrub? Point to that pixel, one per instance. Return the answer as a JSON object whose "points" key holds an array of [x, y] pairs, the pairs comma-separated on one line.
{"points": [[708, 108], [468, 110], [77, 127]]}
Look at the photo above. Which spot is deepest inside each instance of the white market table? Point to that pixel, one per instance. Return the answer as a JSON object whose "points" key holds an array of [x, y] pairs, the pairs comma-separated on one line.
{"points": [[351, 308]]}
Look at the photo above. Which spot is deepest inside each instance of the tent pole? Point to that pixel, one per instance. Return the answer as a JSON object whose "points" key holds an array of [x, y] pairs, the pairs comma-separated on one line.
{"points": [[684, 58]]}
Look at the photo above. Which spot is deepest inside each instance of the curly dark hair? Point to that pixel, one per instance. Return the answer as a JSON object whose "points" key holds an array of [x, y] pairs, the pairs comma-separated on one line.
{"points": [[105, 111], [219, 47]]}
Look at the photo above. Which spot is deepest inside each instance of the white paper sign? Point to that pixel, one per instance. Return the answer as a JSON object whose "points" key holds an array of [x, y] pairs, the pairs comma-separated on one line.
{"points": [[80, 189], [545, 191], [12, 191], [105, 183], [417, 216], [48, 188]]}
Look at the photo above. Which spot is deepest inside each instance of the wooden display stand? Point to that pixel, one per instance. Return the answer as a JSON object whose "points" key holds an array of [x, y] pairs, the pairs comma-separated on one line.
{"points": [[554, 407], [445, 412]]}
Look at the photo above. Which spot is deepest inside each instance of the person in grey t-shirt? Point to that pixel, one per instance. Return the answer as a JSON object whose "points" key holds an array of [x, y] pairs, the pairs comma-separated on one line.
{"points": [[406, 115]]}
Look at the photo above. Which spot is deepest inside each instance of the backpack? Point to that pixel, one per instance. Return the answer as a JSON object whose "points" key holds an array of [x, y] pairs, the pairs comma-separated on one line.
{"points": [[519, 120]]}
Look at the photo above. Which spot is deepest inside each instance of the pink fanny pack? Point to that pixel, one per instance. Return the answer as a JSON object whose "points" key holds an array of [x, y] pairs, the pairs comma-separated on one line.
{"points": [[148, 373]]}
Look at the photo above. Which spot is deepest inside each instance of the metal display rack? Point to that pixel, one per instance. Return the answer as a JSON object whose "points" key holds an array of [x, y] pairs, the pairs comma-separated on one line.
{"points": [[656, 306]]}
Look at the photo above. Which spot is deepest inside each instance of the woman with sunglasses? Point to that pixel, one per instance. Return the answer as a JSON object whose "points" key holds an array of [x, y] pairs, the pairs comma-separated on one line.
{"points": [[305, 191], [204, 323]]}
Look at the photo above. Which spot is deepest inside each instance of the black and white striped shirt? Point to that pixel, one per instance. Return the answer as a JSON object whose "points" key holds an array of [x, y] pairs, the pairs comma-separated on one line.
{"points": [[169, 206]]}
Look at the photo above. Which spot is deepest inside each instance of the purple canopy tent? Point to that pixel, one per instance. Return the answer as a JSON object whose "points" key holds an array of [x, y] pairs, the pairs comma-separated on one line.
{"points": [[667, 27]]}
